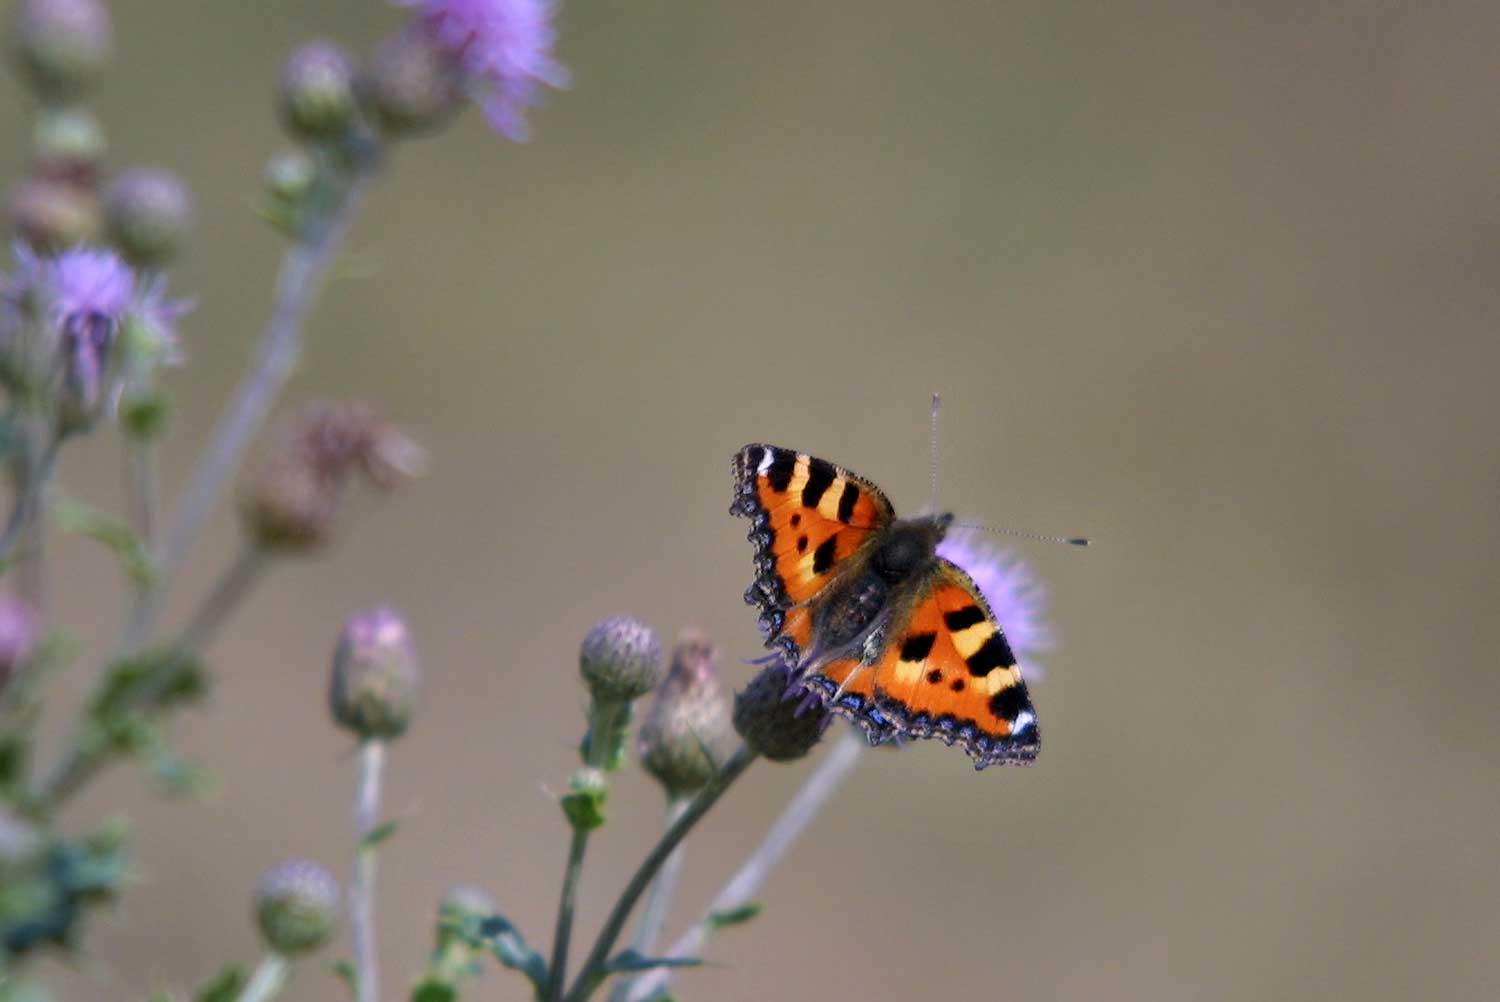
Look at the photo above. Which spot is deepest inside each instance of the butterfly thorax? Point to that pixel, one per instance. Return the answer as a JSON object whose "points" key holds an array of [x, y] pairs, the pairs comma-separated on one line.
{"points": [[873, 591]]}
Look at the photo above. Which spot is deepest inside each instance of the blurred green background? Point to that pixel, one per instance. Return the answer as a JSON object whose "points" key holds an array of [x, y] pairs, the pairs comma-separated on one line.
{"points": [[1213, 283]]}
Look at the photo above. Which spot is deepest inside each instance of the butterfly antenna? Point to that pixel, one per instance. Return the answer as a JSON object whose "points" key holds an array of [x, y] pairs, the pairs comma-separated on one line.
{"points": [[937, 403], [1024, 534]]}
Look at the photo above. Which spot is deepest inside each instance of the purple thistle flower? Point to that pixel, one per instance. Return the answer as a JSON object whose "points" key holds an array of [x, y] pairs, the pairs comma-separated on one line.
{"points": [[503, 49], [86, 283], [1016, 597]]}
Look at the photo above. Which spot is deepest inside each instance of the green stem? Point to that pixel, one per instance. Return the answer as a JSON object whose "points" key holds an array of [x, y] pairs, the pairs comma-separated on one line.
{"points": [[593, 972], [658, 903], [269, 979], [362, 887]]}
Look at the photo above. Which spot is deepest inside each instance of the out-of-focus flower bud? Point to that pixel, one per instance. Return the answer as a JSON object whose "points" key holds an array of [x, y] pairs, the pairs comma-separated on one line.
{"points": [[20, 631], [375, 674], [411, 86], [620, 659], [466, 903], [68, 144], [290, 176], [52, 214], [291, 501], [297, 905], [148, 212], [61, 45], [778, 716], [688, 722], [583, 804], [317, 91]]}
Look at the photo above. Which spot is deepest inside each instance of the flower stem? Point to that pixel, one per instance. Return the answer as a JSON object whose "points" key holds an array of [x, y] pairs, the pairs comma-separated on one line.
{"points": [[740, 890], [362, 887], [658, 903], [593, 972], [269, 978], [302, 273], [143, 486]]}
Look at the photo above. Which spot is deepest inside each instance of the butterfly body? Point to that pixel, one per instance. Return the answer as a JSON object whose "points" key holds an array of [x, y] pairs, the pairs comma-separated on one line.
{"points": [[890, 634]]}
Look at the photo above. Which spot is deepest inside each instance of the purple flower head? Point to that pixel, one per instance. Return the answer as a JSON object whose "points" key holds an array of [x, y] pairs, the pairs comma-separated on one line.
{"points": [[86, 285], [1016, 597], [503, 49]]}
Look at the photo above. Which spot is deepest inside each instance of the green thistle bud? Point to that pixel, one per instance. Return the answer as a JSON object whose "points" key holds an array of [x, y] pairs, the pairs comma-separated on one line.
{"points": [[620, 660], [148, 213], [688, 721], [375, 674], [68, 143], [583, 804], [317, 91], [411, 86], [61, 45], [53, 214], [779, 717], [290, 176], [297, 905]]}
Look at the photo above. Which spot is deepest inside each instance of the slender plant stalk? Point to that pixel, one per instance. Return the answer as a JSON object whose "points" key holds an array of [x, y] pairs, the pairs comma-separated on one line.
{"points": [[740, 890], [593, 971], [362, 887], [269, 978], [31, 488], [302, 274], [84, 757], [143, 486], [604, 719], [658, 903]]}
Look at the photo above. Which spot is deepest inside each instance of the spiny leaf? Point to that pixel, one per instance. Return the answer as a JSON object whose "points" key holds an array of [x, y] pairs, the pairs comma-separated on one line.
{"points": [[632, 961], [222, 987], [734, 916], [379, 834]]}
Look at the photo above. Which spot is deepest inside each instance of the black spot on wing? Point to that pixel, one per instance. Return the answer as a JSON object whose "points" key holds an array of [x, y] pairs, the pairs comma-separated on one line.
{"points": [[958, 685], [820, 476], [962, 619], [779, 473], [801, 544], [847, 500], [823, 555], [994, 654], [935, 676], [1008, 703], [917, 646]]}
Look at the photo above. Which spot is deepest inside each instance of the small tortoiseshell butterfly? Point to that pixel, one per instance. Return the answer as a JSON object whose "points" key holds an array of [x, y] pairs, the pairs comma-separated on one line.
{"points": [[891, 635]]}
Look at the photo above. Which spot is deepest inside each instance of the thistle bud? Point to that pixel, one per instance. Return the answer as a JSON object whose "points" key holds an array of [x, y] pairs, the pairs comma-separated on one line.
{"points": [[20, 630], [148, 212], [620, 659], [688, 720], [583, 804], [290, 507], [375, 674], [290, 176], [778, 716], [68, 144], [466, 903], [411, 86], [317, 91], [61, 45], [51, 214], [297, 906]]}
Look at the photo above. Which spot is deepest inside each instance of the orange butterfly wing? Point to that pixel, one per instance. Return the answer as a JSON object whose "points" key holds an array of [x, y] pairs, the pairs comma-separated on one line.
{"points": [[946, 673], [808, 517]]}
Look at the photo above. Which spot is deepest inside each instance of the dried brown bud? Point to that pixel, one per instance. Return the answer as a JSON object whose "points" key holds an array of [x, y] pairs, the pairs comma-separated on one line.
{"points": [[688, 723]]}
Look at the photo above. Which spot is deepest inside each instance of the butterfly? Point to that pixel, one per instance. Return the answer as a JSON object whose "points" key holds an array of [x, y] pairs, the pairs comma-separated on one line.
{"points": [[892, 636]]}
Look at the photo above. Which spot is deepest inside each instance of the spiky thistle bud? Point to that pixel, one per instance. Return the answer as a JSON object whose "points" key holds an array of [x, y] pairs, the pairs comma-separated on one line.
{"points": [[297, 906], [68, 144], [317, 91], [620, 659], [54, 213], [61, 45], [375, 674], [689, 720], [148, 212], [778, 716], [411, 85]]}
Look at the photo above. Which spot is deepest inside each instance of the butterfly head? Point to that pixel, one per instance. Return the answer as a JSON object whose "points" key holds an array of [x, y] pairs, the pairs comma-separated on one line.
{"points": [[910, 546]]}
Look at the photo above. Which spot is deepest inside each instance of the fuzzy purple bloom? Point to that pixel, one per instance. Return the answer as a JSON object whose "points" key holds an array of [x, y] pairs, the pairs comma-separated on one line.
{"points": [[85, 283], [1016, 597], [503, 49]]}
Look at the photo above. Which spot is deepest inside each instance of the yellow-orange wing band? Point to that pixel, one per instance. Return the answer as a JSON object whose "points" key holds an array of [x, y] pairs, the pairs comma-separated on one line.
{"points": [[945, 673], [808, 517]]}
